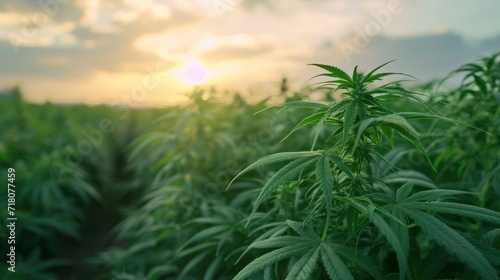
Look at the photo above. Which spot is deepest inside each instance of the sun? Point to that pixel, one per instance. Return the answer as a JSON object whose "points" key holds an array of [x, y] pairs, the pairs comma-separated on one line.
{"points": [[193, 73]]}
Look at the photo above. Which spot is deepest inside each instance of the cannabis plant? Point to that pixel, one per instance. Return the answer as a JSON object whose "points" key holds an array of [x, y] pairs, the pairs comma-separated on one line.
{"points": [[354, 213], [471, 154]]}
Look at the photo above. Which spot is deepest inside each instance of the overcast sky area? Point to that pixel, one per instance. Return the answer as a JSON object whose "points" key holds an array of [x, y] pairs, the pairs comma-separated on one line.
{"points": [[151, 52]]}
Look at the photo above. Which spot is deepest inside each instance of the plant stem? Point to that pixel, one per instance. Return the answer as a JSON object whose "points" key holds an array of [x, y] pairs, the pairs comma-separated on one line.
{"points": [[327, 223]]}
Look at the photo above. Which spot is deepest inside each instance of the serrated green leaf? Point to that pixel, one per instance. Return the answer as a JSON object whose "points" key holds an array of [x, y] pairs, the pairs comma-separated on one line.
{"points": [[271, 258], [387, 231], [491, 237], [349, 117], [271, 233], [392, 238], [305, 266], [269, 273], [401, 230], [404, 191], [284, 174], [490, 253], [414, 140], [210, 273], [304, 231], [275, 158], [312, 119], [317, 131], [433, 195], [481, 84], [430, 266], [368, 78], [325, 180], [148, 139], [387, 132], [340, 105], [204, 234], [414, 177], [388, 162], [193, 263], [280, 241], [393, 121], [470, 211], [336, 72], [335, 267], [359, 259], [303, 104], [198, 248], [341, 165], [355, 74], [454, 243]]}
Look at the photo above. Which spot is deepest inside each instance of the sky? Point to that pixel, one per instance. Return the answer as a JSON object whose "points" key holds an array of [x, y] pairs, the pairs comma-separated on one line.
{"points": [[153, 52]]}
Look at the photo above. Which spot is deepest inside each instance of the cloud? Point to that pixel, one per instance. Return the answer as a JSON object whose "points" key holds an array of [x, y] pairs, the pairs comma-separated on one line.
{"points": [[212, 49], [256, 3], [57, 10], [232, 53], [93, 51], [274, 6], [425, 56], [491, 44]]}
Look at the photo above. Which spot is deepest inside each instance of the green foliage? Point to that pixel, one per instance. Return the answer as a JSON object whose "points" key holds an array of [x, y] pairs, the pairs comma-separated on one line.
{"points": [[350, 189], [360, 122], [63, 171], [378, 180], [466, 153]]}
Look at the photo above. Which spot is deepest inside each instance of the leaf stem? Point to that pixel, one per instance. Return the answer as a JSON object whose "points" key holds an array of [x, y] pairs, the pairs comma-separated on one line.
{"points": [[327, 223]]}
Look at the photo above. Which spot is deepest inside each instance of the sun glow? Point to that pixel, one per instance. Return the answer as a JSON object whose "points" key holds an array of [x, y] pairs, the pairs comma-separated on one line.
{"points": [[193, 73]]}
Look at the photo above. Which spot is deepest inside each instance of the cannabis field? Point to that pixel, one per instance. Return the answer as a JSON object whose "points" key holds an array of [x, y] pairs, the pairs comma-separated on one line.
{"points": [[379, 176]]}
